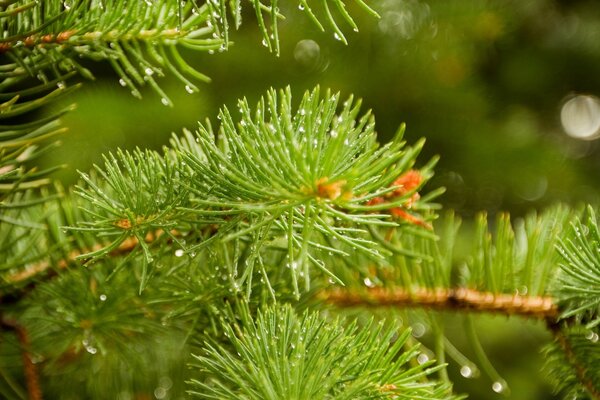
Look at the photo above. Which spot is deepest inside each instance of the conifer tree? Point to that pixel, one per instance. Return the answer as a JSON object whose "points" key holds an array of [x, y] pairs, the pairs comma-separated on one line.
{"points": [[218, 267]]}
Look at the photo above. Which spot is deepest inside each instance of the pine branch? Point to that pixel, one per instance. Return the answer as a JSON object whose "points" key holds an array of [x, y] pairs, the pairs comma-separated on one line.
{"points": [[279, 179], [581, 355], [32, 377]]}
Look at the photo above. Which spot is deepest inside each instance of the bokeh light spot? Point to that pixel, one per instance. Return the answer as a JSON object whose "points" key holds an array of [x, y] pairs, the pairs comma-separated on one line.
{"points": [[580, 117]]}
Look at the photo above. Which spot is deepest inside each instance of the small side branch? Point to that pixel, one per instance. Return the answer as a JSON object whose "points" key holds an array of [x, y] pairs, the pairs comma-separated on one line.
{"points": [[447, 299], [77, 38], [580, 371], [35, 269], [32, 378]]}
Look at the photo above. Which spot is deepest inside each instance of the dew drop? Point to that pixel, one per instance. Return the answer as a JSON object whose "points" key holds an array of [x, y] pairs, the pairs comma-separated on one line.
{"points": [[466, 371], [333, 133], [91, 349], [102, 297], [301, 7], [178, 253], [418, 330], [160, 393], [498, 387], [122, 82], [337, 37], [369, 283], [149, 71], [189, 89], [165, 101], [422, 358]]}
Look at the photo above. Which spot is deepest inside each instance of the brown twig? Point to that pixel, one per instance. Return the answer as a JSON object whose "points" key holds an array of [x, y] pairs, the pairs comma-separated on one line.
{"points": [[32, 378], [447, 299]]}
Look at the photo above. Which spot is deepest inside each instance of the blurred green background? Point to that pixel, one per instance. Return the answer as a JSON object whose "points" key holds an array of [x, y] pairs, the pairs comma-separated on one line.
{"points": [[504, 92]]}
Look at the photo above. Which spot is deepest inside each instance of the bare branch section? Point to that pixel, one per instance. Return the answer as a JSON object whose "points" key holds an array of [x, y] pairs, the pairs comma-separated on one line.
{"points": [[447, 299], [32, 377]]}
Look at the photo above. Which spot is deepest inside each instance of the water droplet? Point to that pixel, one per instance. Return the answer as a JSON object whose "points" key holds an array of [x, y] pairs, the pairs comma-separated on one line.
{"points": [[302, 111], [160, 393], [122, 82], [149, 71], [418, 330], [466, 371], [102, 297], [422, 358], [369, 283], [178, 253], [165, 101], [91, 349], [61, 85], [592, 336], [333, 133], [265, 43], [522, 291], [189, 89], [301, 7], [498, 387], [336, 36]]}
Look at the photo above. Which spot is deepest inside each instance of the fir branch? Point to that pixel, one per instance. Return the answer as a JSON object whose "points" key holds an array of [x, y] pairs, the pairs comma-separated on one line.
{"points": [[460, 299], [32, 377], [581, 355]]}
